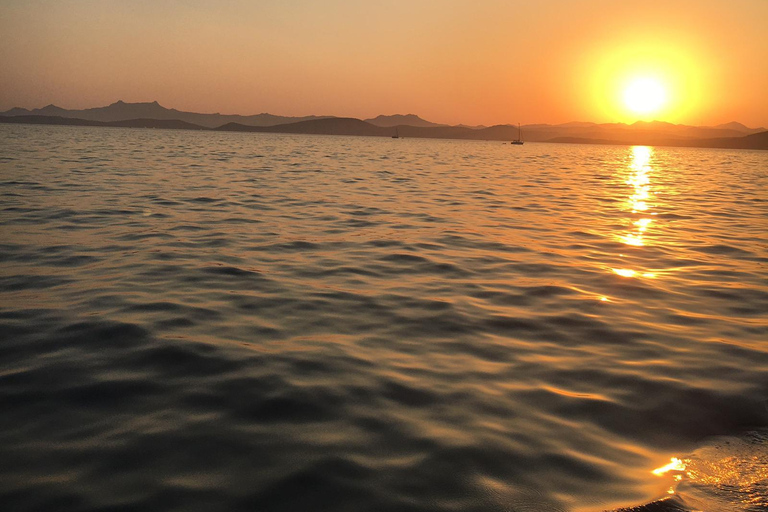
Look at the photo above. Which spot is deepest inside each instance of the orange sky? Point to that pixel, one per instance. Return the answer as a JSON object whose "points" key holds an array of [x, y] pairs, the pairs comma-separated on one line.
{"points": [[450, 61]]}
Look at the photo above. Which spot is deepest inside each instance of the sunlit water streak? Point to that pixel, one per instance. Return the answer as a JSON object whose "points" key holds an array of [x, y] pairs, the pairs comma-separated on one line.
{"points": [[204, 321]]}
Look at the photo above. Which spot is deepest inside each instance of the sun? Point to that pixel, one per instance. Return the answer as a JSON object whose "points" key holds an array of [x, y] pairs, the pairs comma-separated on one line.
{"points": [[645, 96], [643, 78]]}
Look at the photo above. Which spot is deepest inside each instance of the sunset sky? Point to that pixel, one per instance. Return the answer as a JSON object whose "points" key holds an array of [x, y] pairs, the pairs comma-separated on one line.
{"points": [[699, 62]]}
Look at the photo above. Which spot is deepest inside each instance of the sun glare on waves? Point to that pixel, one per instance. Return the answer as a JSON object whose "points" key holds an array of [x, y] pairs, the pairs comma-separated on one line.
{"points": [[674, 466]]}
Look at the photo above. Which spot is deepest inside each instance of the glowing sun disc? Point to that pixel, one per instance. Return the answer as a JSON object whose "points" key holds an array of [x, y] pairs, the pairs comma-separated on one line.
{"points": [[645, 96]]}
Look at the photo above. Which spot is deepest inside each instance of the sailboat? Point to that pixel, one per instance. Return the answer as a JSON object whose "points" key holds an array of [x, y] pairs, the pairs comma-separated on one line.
{"points": [[519, 140], [397, 133]]}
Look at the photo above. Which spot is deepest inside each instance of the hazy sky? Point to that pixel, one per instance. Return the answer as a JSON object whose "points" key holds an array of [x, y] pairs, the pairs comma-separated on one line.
{"points": [[450, 61]]}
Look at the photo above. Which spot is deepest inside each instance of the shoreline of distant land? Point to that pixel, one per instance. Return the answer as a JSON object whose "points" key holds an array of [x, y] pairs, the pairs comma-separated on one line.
{"points": [[152, 115]]}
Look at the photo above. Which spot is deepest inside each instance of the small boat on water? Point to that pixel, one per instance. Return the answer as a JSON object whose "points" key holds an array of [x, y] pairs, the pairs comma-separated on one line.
{"points": [[397, 133], [519, 140]]}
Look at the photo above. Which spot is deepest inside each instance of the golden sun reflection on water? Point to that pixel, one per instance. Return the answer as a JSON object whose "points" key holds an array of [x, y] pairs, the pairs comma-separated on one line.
{"points": [[676, 467], [639, 199], [730, 473], [627, 272], [639, 205], [624, 272]]}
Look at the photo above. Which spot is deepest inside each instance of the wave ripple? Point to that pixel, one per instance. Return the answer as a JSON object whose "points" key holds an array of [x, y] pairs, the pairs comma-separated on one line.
{"points": [[199, 321]]}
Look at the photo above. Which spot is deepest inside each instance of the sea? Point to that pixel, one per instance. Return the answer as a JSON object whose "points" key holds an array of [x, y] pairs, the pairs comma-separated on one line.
{"points": [[206, 321]]}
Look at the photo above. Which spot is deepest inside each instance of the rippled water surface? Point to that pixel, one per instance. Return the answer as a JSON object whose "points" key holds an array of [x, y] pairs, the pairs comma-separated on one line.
{"points": [[216, 321]]}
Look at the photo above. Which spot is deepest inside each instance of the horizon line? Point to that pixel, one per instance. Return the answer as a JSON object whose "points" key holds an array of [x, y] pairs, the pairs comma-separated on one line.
{"points": [[155, 102]]}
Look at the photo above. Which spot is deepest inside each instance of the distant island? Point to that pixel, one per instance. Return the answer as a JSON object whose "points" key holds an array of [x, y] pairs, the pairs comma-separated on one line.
{"points": [[152, 115]]}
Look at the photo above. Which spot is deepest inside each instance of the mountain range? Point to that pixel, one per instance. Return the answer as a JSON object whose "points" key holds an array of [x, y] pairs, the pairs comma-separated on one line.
{"points": [[401, 120], [121, 111], [153, 115]]}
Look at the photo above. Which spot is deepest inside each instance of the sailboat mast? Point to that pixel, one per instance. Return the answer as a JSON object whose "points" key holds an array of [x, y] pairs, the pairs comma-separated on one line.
{"points": [[519, 140]]}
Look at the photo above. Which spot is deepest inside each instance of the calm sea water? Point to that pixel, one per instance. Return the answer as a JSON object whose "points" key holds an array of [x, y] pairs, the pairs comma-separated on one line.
{"points": [[209, 321]]}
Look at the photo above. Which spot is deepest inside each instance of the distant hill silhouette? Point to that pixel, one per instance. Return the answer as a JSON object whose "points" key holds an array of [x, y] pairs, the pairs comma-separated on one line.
{"points": [[40, 119], [331, 126], [153, 115], [167, 124], [753, 141], [121, 111], [618, 132], [733, 125], [401, 120]]}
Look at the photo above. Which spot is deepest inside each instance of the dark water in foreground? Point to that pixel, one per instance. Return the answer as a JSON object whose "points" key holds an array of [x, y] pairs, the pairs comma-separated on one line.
{"points": [[197, 321]]}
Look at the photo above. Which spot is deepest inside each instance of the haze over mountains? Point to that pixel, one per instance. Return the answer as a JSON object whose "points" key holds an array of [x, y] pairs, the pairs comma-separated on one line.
{"points": [[153, 115], [401, 120], [121, 111]]}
